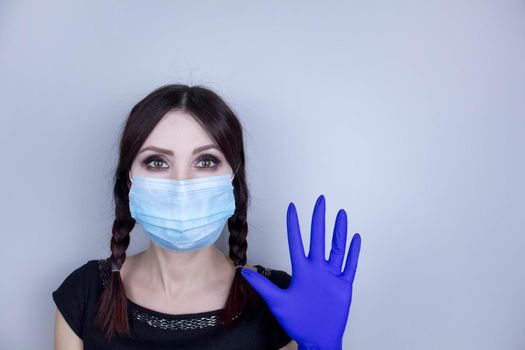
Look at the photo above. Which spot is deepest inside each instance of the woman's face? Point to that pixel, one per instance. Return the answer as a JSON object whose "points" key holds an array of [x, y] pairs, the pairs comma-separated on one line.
{"points": [[179, 148]]}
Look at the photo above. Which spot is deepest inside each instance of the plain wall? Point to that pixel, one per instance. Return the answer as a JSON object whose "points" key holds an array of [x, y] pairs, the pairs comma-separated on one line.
{"points": [[407, 114]]}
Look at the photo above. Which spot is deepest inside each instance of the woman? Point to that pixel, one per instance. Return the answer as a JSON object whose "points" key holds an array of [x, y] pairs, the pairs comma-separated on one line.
{"points": [[175, 177]]}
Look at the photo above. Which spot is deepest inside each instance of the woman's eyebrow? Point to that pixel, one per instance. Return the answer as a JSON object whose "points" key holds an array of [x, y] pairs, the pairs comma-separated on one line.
{"points": [[168, 152], [203, 148]]}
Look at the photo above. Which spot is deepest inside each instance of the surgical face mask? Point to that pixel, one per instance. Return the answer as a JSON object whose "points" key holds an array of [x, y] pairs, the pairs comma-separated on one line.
{"points": [[182, 215]]}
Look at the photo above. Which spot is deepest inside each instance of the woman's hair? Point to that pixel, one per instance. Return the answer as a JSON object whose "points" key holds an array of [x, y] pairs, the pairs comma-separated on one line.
{"points": [[213, 114]]}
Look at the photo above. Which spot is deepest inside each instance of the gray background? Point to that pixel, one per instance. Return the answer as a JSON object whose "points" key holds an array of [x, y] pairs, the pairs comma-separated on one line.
{"points": [[407, 114]]}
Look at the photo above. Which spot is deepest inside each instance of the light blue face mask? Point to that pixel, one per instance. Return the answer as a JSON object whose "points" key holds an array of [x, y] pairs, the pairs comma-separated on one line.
{"points": [[182, 215]]}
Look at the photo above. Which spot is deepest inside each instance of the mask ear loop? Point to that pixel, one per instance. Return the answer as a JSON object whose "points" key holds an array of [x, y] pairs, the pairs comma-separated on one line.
{"points": [[235, 172]]}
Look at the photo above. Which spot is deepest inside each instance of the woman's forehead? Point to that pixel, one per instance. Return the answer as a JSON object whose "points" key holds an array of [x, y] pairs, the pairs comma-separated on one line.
{"points": [[179, 132]]}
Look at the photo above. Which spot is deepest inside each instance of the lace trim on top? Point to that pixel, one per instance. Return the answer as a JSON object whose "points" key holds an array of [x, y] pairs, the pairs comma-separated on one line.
{"points": [[165, 321]]}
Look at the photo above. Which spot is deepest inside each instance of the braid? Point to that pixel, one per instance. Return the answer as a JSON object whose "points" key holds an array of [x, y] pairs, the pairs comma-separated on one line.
{"points": [[120, 242], [237, 224], [237, 240], [242, 296], [112, 308]]}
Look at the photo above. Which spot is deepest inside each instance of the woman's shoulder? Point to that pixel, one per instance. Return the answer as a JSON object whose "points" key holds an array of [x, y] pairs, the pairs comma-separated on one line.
{"points": [[74, 292], [83, 279], [77, 275], [80, 277]]}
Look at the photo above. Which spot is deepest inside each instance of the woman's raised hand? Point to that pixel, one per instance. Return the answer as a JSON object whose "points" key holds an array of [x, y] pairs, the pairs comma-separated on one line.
{"points": [[314, 309]]}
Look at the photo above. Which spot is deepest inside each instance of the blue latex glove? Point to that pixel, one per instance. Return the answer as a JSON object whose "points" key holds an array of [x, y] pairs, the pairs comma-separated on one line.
{"points": [[314, 309]]}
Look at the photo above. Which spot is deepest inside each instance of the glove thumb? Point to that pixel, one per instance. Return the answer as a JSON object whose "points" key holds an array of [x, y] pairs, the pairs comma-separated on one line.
{"points": [[266, 289]]}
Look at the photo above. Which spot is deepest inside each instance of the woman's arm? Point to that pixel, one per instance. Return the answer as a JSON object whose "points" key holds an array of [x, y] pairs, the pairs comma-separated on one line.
{"points": [[65, 338]]}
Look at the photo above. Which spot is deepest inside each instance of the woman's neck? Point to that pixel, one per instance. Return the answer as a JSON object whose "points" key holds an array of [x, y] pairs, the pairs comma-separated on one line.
{"points": [[178, 273]]}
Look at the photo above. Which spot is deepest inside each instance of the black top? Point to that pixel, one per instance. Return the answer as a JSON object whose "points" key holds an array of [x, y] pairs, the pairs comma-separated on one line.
{"points": [[76, 299]]}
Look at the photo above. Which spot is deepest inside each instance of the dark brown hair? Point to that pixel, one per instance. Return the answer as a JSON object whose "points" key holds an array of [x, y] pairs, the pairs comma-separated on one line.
{"points": [[214, 115]]}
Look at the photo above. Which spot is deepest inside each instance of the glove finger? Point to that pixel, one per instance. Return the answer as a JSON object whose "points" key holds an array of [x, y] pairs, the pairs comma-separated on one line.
{"points": [[317, 234], [351, 260], [337, 252], [295, 242]]}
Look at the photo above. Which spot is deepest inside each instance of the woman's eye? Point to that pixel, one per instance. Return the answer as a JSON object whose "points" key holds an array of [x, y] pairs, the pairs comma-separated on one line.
{"points": [[206, 163], [156, 163]]}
